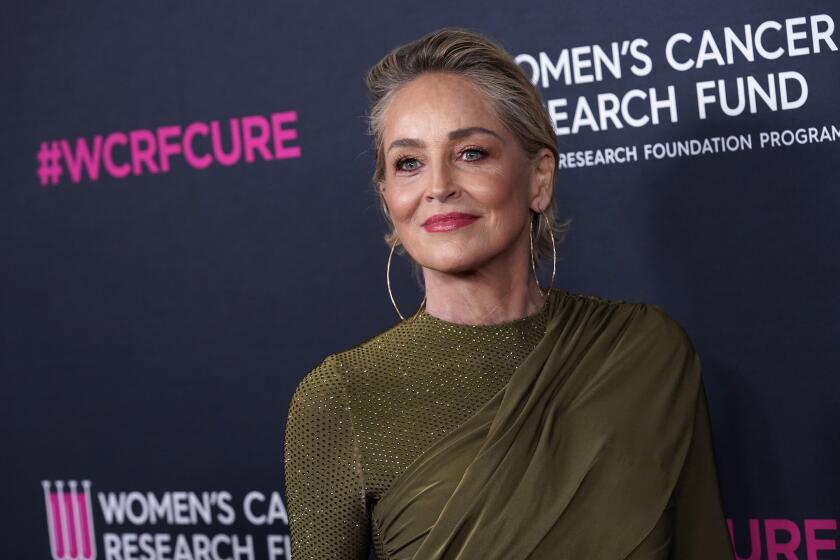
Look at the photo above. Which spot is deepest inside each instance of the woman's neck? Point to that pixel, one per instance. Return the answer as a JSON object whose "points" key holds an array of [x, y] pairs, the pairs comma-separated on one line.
{"points": [[472, 300]]}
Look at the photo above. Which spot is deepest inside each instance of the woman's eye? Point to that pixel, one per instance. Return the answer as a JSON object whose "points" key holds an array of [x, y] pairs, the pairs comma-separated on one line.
{"points": [[481, 153], [400, 162]]}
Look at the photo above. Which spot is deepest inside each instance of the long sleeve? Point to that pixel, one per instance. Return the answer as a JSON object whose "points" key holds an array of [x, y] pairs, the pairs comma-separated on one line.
{"points": [[325, 495], [700, 530]]}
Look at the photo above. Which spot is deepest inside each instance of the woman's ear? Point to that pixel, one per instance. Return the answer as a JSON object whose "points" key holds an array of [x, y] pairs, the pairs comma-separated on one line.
{"points": [[542, 191], [382, 200]]}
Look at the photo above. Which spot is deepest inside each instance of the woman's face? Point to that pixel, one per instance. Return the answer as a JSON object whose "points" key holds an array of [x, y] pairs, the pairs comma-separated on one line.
{"points": [[437, 161]]}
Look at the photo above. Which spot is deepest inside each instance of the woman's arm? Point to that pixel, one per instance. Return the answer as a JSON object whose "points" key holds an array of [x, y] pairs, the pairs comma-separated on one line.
{"points": [[325, 494], [700, 530]]}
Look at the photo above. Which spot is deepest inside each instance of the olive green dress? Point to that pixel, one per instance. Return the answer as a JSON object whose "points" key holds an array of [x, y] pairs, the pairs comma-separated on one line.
{"points": [[579, 432]]}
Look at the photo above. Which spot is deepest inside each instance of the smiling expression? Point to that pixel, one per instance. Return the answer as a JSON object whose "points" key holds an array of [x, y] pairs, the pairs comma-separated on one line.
{"points": [[448, 153]]}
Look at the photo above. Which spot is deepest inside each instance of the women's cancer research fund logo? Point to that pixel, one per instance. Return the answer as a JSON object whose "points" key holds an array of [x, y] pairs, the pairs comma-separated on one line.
{"points": [[164, 524], [69, 520]]}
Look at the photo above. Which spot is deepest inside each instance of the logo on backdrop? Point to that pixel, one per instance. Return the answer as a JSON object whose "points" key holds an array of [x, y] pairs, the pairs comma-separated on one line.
{"points": [[598, 70], [69, 520], [162, 525], [138, 152]]}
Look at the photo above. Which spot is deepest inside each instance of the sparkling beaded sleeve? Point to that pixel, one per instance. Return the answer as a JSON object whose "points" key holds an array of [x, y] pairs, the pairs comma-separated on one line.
{"points": [[326, 520]]}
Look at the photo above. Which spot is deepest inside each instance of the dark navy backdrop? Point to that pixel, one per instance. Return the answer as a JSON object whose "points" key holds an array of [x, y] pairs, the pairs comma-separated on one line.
{"points": [[154, 325]]}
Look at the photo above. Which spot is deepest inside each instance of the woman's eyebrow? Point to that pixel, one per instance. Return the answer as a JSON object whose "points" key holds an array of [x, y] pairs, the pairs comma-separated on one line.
{"points": [[454, 135]]}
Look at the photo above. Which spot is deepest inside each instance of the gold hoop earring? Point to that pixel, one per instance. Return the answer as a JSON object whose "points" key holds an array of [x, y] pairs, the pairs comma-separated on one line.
{"points": [[553, 253], [388, 281]]}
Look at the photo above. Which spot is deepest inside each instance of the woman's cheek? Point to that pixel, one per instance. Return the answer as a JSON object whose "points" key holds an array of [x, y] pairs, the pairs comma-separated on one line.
{"points": [[492, 195], [402, 206]]}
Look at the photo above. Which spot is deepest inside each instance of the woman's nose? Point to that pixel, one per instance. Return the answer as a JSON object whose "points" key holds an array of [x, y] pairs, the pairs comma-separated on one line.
{"points": [[442, 182]]}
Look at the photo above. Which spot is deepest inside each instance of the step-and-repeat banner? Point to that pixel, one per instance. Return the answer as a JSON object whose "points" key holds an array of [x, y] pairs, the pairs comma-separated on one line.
{"points": [[188, 227]]}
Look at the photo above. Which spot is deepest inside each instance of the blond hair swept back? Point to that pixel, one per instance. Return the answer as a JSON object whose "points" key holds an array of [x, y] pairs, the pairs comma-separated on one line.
{"points": [[492, 69]]}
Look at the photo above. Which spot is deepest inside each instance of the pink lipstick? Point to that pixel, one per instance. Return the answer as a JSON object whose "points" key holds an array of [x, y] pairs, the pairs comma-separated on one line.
{"points": [[448, 222]]}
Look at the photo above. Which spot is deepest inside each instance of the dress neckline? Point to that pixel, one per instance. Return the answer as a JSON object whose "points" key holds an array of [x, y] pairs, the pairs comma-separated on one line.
{"points": [[513, 324]]}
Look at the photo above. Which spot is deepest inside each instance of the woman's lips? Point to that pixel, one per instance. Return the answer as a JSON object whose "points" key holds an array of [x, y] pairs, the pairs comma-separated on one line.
{"points": [[448, 222]]}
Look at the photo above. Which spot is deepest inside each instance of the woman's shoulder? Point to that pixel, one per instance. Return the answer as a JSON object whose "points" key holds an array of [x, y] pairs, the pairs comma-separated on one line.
{"points": [[331, 375], [599, 302], [320, 385], [648, 353], [642, 319]]}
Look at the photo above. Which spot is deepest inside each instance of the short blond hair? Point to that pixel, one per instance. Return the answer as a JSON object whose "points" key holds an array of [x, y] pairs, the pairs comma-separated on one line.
{"points": [[492, 69]]}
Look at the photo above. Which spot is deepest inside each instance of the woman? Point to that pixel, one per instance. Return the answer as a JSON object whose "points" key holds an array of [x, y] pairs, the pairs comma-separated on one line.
{"points": [[500, 420]]}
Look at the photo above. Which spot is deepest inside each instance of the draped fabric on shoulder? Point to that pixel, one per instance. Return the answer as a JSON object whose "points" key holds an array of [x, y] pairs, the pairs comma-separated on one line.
{"points": [[576, 457]]}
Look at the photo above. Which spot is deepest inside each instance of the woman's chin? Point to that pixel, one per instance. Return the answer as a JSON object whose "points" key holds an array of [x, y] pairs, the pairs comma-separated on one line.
{"points": [[455, 265]]}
